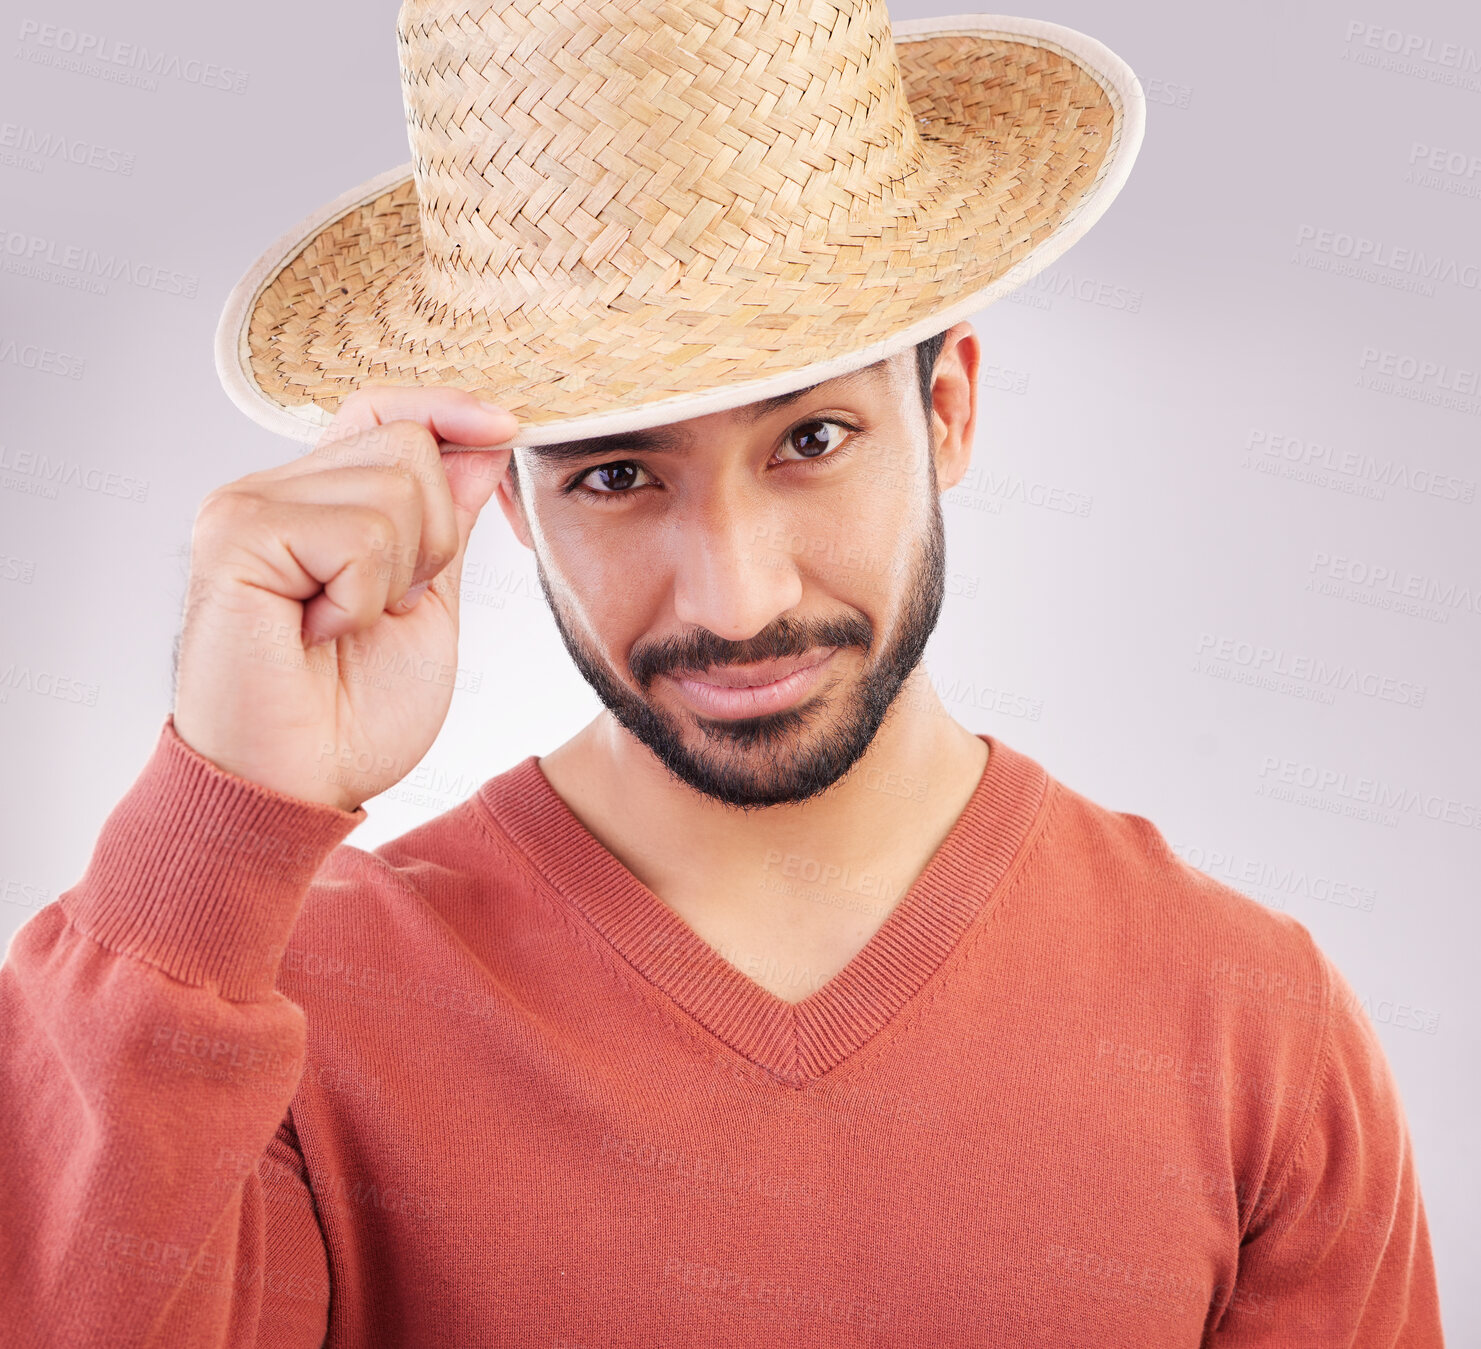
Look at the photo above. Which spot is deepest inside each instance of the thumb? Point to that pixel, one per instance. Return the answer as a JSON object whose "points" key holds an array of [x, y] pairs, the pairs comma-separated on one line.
{"points": [[472, 477]]}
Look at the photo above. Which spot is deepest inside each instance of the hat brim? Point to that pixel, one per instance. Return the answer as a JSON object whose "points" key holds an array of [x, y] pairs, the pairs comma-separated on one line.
{"points": [[324, 310]]}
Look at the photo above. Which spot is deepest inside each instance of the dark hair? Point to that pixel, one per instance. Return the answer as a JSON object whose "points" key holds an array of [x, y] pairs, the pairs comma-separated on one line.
{"points": [[926, 355]]}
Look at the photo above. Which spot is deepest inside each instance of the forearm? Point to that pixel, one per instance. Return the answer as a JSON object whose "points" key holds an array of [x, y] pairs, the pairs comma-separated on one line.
{"points": [[147, 1064]]}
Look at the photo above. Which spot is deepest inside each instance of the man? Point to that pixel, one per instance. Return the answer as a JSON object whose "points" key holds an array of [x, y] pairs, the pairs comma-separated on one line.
{"points": [[773, 1007], [802, 592]]}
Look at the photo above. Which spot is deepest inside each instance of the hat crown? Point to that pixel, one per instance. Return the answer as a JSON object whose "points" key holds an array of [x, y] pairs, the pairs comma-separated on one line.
{"points": [[601, 151]]}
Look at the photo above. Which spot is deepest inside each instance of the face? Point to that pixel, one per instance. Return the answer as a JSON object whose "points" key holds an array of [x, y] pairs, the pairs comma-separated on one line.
{"points": [[801, 537]]}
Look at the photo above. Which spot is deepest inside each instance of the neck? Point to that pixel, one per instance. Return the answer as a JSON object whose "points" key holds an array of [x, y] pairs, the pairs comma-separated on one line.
{"points": [[886, 816]]}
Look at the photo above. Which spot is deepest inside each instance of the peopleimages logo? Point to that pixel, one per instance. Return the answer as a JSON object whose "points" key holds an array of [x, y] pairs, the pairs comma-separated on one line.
{"points": [[1274, 883], [84, 268], [1167, 92], [1414, 54], [1331, 574], [1040, 290], [1457, 164], [1420, 379], [39, 473], [1416, 46], [43, 360], [64, 48], [1287, 779], [1438, 168], [1352, 470], [30, 148], [1421, 370], [1220, 655], [1360, 251]]}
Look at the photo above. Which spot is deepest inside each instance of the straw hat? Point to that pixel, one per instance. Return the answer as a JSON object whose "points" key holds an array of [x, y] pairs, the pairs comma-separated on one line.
{"points": [[622, 213]]}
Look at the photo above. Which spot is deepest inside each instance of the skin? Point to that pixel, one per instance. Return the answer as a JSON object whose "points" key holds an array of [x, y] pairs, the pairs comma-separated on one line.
{"points": [[749, 550]]}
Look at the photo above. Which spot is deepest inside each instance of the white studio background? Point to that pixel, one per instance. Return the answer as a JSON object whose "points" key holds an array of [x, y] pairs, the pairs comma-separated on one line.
{"points": [[1216, 562]]}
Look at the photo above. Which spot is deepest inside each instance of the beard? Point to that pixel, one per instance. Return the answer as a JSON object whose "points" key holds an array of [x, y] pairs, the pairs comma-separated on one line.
{"points": [[799, 752]]}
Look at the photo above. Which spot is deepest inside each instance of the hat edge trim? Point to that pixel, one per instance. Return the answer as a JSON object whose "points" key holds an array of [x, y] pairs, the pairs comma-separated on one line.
{"points": [[305, 423]]}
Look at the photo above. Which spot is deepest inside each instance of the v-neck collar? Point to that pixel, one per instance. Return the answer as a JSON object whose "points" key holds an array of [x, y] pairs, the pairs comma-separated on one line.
{"points": [[796, 1042]]}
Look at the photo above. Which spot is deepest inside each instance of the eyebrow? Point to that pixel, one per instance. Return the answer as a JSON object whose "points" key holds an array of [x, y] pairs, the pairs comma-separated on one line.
{"points": [[663, 439]]}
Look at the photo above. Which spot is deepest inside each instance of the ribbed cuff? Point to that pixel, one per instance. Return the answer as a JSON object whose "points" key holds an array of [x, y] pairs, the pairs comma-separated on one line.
{"points": [[203, 873]]}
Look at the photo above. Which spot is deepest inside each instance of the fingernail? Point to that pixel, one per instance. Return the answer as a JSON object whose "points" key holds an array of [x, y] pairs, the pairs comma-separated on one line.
{"points": [[413, 594], [493, 407]]}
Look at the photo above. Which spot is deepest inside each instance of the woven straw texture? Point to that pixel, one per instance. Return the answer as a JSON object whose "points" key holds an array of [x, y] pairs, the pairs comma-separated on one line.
{"points": [[619, 202]]}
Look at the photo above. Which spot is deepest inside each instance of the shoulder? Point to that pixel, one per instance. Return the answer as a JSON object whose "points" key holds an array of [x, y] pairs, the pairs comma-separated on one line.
{"points": [[1271, 1091], [1187, 977], [413, 900], [1178, 916]]}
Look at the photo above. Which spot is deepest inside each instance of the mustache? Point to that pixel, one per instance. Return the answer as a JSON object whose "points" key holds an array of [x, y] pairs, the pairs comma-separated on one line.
{"points": [[785, 637]]}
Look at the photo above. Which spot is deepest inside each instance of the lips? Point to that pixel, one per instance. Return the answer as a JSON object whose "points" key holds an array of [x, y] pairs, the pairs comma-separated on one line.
{"points": [[760, 673]]}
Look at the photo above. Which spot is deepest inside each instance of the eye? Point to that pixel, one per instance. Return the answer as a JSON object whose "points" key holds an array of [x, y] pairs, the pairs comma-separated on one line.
{"points": [[609, 480], [608, 483], [817, 439]]}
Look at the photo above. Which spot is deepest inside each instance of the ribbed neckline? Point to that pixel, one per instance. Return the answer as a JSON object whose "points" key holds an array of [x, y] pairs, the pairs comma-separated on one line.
{"points": [[796, 1042]]}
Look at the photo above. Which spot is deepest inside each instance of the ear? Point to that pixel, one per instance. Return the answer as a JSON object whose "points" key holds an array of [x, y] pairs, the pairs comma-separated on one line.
{"points": [[511, 502], [954, 399]]}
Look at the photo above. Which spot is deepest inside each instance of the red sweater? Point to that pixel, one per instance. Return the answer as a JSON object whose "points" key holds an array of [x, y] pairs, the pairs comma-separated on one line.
{"points": [[479, 1086]]}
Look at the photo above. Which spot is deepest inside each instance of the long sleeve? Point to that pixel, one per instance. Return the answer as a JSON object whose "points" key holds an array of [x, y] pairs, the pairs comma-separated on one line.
{"points": [[1339, 1254], [153, 1193]]}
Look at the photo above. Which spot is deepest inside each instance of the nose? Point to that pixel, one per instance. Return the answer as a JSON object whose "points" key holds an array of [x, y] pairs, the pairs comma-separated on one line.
{"points": [[730, 576]]}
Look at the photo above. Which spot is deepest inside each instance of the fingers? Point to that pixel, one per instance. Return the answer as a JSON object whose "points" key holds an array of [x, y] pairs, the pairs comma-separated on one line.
{"points": [[472, 476], [452, 415], [416, 504], [405, 430], [373, 512], [336, 546], [246, 543]]}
